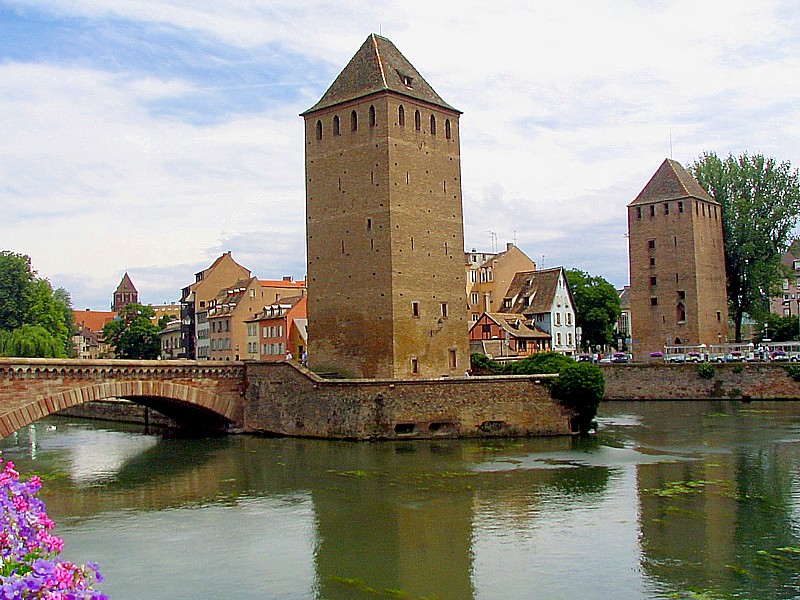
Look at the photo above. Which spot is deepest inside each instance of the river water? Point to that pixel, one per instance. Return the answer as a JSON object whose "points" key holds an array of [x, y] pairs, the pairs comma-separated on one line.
{"points": [[667, 500]]}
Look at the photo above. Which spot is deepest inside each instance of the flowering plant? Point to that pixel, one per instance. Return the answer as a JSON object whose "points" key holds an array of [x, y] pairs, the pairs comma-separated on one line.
{"points": [[28, 564]]}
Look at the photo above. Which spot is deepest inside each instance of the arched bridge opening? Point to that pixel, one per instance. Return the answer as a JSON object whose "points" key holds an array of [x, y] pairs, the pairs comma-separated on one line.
{"points": [[191, 393]]}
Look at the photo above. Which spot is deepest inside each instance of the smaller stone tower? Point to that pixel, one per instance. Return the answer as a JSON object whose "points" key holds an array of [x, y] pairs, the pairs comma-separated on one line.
{"points": [[677, 264], [125, 294]]}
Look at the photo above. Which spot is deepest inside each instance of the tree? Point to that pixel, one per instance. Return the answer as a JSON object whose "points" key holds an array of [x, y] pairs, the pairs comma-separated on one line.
{"points": [[133, 334], [760, 207], [596, 307], [16, 276], [778, 328], [31, 341], [27, 300]]}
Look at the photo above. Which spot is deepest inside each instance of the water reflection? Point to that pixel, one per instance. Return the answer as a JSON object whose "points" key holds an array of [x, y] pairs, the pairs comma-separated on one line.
{"points": [[668, 498]]}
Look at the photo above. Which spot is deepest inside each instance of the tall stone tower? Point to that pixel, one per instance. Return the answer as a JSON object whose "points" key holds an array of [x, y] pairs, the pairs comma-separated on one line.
{"points": [[124, 294], [386, 283], [677, 264]]}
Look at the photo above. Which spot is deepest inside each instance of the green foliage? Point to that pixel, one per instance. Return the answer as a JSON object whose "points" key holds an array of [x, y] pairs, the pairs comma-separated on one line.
{"points": [[778, 328], [706, 371], [482, 364], [596, 306], [580, 387], [760, 207], [36, 320], [794, 371], [133, 334], [31, 341], [540, 363]]}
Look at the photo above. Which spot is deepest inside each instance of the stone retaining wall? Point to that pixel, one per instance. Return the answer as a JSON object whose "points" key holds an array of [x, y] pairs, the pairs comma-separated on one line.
{"points": [[742, 381], [284, 399]]}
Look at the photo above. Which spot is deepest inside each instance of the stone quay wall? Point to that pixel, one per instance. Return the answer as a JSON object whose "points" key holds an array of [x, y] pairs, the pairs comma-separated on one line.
{"points": [[285, 399], [731, 381]]}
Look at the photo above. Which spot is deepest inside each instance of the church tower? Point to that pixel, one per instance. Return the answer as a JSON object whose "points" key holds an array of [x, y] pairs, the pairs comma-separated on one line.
{"points": [[386, 283], [677, 264], [125, 294]]}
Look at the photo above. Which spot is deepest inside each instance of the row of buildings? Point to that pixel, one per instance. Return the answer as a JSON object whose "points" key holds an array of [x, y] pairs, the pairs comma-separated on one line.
{"points": [[227, 314]]}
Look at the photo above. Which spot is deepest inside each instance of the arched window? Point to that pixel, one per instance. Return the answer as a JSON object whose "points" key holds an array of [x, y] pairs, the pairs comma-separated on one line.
{"points": [[372, 116], [401, 116], [319, 130], [336, 125], [417, 120], [433, 125], [447, 132], [353, 121]]}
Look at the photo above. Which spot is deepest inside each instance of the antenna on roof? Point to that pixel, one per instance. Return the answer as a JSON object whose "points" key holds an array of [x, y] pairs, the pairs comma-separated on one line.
{"points": [[670, 142], [494, 240]]}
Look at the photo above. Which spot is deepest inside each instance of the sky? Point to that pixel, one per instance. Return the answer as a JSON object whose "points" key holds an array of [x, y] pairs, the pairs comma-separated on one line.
{"points": [[152, 136]]}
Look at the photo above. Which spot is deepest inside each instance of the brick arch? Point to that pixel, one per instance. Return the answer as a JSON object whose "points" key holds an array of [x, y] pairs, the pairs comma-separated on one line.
{"points": [[44, 406]]}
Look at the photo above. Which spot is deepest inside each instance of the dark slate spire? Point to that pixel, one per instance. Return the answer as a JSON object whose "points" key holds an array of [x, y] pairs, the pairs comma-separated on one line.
{"points": [[671, 182], [378, 66]]}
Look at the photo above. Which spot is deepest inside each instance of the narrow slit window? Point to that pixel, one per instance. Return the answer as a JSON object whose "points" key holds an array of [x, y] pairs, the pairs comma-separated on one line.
{"points": [[433, 125], [447, 133], [417, 120], [372, 116], [336, 125], [319, 130], [401, 116], [354, 121]]}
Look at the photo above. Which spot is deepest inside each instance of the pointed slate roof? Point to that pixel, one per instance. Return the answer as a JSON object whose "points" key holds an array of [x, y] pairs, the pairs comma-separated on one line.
{"points": [[533, 292], [671, 182], [126, 285], [378, 66]]}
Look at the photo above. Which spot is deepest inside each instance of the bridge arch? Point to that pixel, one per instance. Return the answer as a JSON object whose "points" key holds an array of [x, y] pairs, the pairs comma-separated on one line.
{"points": [[204, 395]]}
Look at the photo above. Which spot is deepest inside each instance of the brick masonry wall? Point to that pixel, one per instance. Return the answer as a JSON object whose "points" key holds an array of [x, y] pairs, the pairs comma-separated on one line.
{"points": [[281, 399], [756, 381]]}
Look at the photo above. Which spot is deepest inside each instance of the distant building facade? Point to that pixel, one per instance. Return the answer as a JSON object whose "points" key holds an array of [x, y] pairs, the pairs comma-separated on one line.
{"points": [[542, 300], [488, 278], [787, 304], [677, 264], [384, 223], [269, 331], [195, 300], [88, 338]]}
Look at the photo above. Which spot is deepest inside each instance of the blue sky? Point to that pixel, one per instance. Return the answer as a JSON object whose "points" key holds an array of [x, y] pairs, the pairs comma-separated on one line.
{"points": [[152, 136]]}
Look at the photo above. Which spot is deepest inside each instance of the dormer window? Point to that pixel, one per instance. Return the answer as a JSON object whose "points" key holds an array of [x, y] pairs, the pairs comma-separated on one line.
{"points": [[407, 80]]}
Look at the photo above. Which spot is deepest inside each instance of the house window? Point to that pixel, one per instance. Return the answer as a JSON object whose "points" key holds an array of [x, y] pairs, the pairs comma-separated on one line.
{"points": [[569, 319], [506, 302], [414, 365], [680, 206], [652, 261], [336, 125], [444, 309], [415, 309], [474, 297], [401, 116], [372, 116], [651, 244], [522, 345], [558, 319], [653, 301], [666, 208], [569, 339], [558, 339], [652, 281], [652, 210], [473, 276], [639, 212], [786, 284]]}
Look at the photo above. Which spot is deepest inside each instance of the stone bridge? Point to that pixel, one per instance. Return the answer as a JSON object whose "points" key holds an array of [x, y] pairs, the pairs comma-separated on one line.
{"points": [[283, 399], [192, 392]]}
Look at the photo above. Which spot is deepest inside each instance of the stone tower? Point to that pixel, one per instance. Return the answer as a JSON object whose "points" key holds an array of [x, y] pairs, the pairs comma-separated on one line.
{"points": [[677, 264], [124, 294], [386, 283]]}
